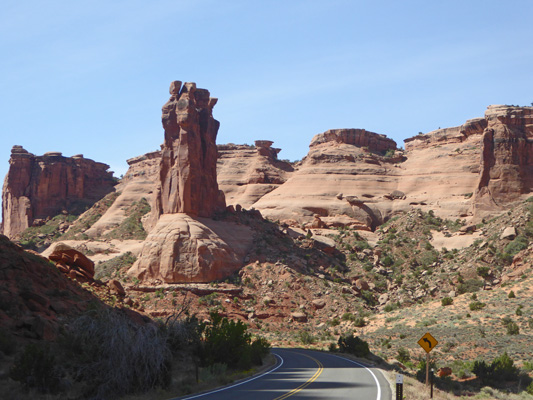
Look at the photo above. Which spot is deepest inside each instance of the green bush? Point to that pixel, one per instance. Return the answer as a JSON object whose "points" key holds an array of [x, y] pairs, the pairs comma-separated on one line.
{"points": [[306, 338], [513, 329], [511, 295], [446, 301], [501, 369], [228, 342], [476, 305], [353, 345], [403, 355], [529, 389], [470, 286], [36, 368], [518, 244], [421, 372]]}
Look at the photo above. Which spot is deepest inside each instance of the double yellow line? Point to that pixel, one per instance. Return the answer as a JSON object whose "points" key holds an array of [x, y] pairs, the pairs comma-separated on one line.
{"points": [[309, 381]]}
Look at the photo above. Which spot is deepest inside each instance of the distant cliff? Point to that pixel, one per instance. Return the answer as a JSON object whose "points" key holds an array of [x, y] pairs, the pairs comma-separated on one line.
{"points": [[37, 187]]}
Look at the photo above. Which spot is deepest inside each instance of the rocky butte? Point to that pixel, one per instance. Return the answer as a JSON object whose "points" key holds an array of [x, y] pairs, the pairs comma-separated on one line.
{"points": [[185, 244], [37, 187]]}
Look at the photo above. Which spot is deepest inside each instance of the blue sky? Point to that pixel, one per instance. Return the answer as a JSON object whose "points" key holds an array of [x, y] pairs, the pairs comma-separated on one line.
{"points": [[90, 77]]}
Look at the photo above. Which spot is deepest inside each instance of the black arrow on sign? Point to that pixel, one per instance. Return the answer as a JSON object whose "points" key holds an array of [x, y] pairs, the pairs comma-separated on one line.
{"points": [[429, 343]]}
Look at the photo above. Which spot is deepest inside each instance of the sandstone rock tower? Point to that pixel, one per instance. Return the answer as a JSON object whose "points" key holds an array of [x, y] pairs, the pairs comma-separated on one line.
{"points": [[185, 244], [189, 154]]}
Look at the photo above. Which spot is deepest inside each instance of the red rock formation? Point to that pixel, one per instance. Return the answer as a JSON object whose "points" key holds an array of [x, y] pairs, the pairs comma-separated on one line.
{"points": [[72, 263], [183, 246], [456, 134], [37, 187], [375, 142], [507, 158], [189, 154]]}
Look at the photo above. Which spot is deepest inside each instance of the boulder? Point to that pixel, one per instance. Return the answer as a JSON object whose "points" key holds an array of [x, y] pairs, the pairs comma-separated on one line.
{"points": [[508, 233], [444, 371], [299, 316], [65, 255], [318, 304], [361, 284], [116, 287]]}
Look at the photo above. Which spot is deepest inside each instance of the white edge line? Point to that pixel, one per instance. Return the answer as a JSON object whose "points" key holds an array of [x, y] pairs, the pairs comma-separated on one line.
{"points": [[368, 369], [237, 384]]}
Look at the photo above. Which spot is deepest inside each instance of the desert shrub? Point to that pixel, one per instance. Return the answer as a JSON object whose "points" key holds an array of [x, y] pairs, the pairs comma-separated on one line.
{"points": [[446, 301], [518, 244], [36, 368], [332, 348], [529, 389], [228, 342], [421, 371], [501, 369], [348, 316], [511, 326], [483, 271], [105, 269], [306, 338], [115, 356], [470, 286], [387, 261], [513, 329], [511, 295], [403, 355], [215, 371], [476, 305], [368, 297], [132, 227], [359, 322], [353, 345]]}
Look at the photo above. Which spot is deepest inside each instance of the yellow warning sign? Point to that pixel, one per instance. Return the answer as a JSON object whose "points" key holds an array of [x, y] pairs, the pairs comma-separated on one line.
{"points": [[428, 342]]}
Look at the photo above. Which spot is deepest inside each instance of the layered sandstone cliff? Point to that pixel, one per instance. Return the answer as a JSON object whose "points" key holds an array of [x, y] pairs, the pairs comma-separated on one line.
{"points": [[38, 187], [342, 178], [246, 173]]}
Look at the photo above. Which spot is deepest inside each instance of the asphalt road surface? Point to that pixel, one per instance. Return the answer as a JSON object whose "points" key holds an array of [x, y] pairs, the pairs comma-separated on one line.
{"points": [[307, 374]]}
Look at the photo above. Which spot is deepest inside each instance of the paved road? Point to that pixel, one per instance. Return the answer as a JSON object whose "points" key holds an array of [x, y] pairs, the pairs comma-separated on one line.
{"points": [[306, 374]]}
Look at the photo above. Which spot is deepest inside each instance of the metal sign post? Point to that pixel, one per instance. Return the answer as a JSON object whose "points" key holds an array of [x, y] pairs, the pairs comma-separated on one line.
{"points": [[428, 343], [399, 387]]}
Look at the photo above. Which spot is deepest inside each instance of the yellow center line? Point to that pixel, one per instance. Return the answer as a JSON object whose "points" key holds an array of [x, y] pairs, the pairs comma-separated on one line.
{"points": [[309, 381]]}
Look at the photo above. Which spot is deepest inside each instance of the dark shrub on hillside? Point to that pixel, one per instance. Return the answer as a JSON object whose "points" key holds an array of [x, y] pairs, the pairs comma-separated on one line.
{"points": [[228, 342], [353, 345], [501, 369], [36, 368]]}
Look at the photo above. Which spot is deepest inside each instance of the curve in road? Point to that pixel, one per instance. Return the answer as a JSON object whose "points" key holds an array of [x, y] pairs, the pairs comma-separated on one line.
{"points": [[307, 374]]}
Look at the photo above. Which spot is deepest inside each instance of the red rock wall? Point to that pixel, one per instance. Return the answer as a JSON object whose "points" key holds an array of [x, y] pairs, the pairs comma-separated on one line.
{"points": [[507, 157], [37, 187]]}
